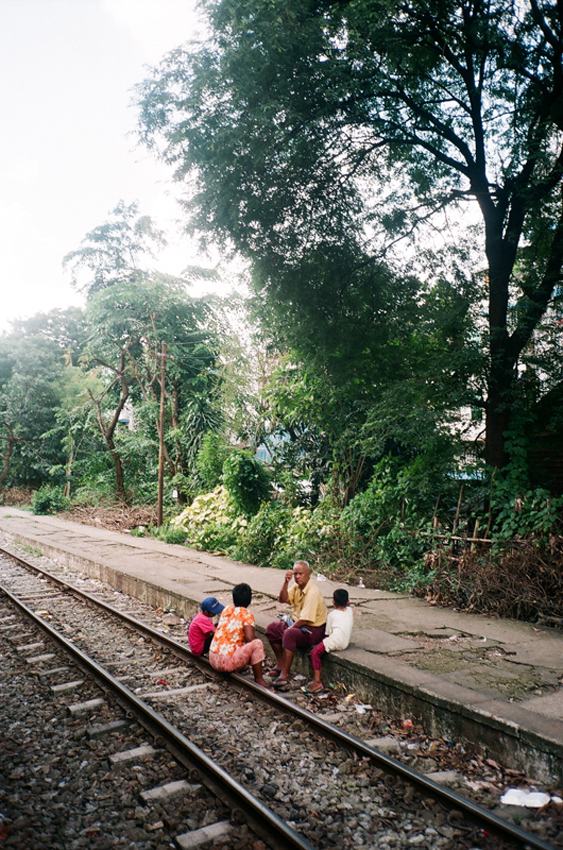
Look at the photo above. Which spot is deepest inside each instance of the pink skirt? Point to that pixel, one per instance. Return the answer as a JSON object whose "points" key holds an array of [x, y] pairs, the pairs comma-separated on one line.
{"points": [[249, 653]]}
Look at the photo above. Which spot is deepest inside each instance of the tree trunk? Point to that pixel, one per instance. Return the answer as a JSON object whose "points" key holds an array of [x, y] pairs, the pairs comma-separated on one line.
{"points": [[108, 431], [119, 479], [10, 440], [501, 256]]}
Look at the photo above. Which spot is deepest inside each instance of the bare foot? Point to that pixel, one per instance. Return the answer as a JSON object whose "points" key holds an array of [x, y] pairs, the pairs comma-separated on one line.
{"points": [[314, 688], [264, 684]]}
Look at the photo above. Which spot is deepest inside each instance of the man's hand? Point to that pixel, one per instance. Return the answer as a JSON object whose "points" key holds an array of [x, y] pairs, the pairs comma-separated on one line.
{"points": [[284, 593]]}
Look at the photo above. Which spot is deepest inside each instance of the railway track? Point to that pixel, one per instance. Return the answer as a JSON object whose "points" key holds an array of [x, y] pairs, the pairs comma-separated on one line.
{"points": [[296, 779]]}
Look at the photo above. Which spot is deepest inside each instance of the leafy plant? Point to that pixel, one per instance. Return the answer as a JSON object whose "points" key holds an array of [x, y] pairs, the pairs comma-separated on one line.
{"points": [[264, 538], [211, 522], [209, 462], [171, 535], [49, 500], [247, 481], [515, 508]]}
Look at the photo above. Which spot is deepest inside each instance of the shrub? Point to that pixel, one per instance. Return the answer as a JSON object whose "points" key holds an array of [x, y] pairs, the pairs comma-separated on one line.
{"points": [[211, 521], [247, 481], [171, 535], [264, 537], [209, 462], [49, 500], [309, 534], [529, 513]]}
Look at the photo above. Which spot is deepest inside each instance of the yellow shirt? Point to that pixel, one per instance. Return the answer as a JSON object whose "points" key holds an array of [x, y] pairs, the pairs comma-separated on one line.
{"points": [[308, 604]]}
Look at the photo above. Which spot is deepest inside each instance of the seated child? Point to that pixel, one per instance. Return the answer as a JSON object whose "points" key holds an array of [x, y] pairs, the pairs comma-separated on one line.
{"points": [[338, 633], [202, 628]]}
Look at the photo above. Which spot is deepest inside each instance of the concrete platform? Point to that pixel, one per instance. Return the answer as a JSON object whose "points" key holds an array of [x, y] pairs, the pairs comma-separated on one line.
{"points": [[497, 684]]}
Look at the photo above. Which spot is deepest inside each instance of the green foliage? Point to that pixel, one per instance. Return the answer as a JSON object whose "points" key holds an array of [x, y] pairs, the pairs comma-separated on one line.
{"points": [[210, 458], [247, 481], [331, 123], [263, 540], [131, 323], [49, 500], [170, 534], [387, 527], [32, 386], [309, 535], [515, 509], [211, 521], [529, 513], [111, 253]]}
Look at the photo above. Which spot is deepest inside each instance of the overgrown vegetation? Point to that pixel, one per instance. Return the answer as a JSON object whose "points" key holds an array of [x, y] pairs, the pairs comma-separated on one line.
{"points": [[49, 500], [397, 367], [522, 580]]}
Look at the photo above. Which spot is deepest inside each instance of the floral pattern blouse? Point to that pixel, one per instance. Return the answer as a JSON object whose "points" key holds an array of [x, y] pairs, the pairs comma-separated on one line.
{"points": [[229, 633]]}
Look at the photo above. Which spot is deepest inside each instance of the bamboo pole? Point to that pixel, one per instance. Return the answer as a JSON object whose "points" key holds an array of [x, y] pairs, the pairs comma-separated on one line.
{"points": [[458, 510]]}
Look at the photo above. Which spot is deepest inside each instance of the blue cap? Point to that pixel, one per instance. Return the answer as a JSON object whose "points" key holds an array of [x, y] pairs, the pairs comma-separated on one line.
{"points": [[211, 605]]}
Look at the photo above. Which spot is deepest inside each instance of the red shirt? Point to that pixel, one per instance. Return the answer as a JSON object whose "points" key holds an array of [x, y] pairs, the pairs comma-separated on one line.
{"points": [[200, 627]]}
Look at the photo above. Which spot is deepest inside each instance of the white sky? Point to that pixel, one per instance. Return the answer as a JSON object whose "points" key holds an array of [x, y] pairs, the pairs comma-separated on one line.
{"points": [[68, 153]]}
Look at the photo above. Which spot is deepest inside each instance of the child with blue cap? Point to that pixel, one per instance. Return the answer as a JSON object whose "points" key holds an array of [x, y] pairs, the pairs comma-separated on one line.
{"points": [[202, 628]]}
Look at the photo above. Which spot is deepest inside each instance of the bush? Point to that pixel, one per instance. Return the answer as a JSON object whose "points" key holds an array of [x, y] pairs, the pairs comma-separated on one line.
{"points": [[264, 537], [49, 500], [247, 481], [529, 513], [310, 535], [211, 522], [171, 535], [383, 518], [209, 462]]}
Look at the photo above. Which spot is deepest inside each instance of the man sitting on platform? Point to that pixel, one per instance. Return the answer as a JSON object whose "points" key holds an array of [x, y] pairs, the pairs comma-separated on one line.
{"points": [[305, 629]]}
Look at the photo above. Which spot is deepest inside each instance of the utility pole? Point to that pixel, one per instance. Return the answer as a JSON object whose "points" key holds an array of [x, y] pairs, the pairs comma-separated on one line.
{"points": [[161, 437]]}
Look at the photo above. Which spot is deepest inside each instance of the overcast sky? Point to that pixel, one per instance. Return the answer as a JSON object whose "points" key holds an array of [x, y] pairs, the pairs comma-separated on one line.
{"points": [[68, 153]]}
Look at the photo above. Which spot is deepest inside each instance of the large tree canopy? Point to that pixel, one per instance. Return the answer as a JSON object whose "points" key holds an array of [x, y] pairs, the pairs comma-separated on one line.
{"points": [[302, 125]]}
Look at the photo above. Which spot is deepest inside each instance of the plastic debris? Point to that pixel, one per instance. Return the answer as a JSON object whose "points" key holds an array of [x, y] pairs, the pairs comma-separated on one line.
{"points": [[529, 799], [407, 723], [162, 682], [321, 577], [360, 583], [349, 697], [361, 709]]}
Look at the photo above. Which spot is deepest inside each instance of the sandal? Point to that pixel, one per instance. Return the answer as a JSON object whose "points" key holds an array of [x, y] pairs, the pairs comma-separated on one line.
{"points": [[310, 690], [273, 673], [281, 683]]}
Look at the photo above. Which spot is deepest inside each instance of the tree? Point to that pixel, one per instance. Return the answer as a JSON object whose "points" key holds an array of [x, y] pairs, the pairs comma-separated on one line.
{"points": [[32, 379], [344, 122], [112, 252], [129, 322]]}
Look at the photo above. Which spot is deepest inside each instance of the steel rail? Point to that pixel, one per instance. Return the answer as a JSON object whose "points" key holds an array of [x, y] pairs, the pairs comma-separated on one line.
{"points": [[450, 799], [265, 822]]}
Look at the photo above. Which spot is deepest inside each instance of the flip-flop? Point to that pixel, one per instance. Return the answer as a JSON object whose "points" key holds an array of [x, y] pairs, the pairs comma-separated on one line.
{"points": [[272, 674], [281, 683], [309, 690]]}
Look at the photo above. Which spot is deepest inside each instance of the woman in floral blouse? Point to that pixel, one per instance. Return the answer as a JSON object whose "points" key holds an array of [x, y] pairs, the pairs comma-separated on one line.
{"points": [[234, 643]]}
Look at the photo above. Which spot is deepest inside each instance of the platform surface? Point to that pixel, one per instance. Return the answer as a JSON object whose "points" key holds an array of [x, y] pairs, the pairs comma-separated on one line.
{"points": [[503, 669]]}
